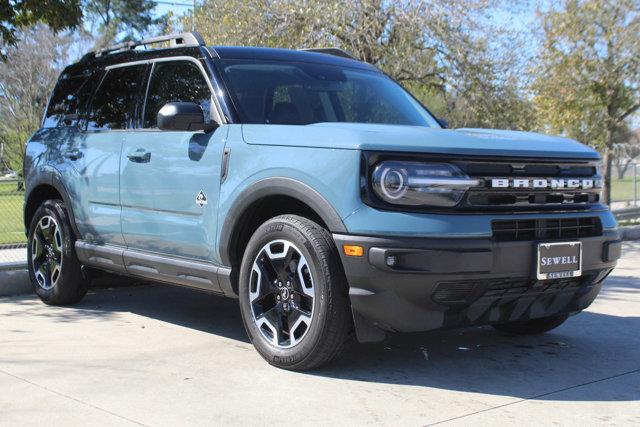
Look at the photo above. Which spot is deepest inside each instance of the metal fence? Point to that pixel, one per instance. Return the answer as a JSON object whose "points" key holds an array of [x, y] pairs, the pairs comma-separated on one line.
{"points": [[13, 242], [625, 194]]}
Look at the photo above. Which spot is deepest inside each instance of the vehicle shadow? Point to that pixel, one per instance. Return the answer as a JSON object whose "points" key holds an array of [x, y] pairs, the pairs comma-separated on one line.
{"points": [[590, 347]]}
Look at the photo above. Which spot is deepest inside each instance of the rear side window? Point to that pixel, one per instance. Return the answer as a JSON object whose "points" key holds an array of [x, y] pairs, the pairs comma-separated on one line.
{"points": [[114, 103], [179, 81], [70, 98]]}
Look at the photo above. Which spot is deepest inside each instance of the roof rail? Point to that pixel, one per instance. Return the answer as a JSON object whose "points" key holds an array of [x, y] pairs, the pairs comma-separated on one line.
{"points": [[335, 51], [175, 40]]}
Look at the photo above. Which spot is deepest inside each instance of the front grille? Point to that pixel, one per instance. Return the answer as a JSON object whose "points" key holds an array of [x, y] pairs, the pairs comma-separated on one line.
{"points": [[530, 198], [522, 169], [520, 198], [545, 229]]}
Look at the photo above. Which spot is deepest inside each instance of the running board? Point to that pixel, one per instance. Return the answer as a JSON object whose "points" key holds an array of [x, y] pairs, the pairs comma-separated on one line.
{"points": [[176, 271]]}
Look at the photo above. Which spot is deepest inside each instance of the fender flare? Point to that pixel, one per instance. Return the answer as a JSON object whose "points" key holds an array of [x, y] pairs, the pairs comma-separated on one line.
{"points": [[276, 186], [51, 178]]}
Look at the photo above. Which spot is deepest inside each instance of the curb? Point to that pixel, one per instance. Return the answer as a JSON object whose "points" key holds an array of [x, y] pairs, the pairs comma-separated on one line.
{"points": [[14, 282]]}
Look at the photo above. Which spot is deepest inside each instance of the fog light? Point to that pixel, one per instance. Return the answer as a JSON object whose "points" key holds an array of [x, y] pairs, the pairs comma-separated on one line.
{"points": [[392, 261], [353, 250]]}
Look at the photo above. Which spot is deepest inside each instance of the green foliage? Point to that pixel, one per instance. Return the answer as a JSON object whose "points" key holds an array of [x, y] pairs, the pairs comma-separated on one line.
{"points": [[17, 14], [588, 75], [26, 81], [587, 80], [437, 49], [122, 19]]}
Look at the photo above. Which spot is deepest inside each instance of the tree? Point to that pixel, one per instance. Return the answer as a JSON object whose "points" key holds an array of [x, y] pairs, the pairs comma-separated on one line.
{"points": [[17, 14], [439, 50], [26, 81], [122, 19], [588, 78]]}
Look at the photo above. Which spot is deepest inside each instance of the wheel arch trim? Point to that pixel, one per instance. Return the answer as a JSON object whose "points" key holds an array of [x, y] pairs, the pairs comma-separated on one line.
{"points": [[49, 178], [275, 186]]}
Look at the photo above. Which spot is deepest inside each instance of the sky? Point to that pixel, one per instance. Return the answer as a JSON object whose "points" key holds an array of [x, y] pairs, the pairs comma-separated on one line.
{"points": [[179, 7]]}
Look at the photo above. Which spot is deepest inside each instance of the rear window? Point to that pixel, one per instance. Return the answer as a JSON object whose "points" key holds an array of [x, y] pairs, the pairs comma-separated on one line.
{"points": [[297, 93], [115, 101], [69, 100]]}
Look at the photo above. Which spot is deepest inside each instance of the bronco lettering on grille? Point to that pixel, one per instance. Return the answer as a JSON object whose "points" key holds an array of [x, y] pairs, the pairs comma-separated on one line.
{"points": [[546, 183]]}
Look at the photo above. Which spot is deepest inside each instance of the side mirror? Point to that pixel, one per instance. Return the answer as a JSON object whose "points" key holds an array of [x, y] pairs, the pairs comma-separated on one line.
{"points": [[443, 123], [186, 116]]}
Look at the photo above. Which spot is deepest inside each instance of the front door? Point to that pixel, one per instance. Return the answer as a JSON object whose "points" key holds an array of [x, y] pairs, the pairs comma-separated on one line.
{"points": [[170, 180]]}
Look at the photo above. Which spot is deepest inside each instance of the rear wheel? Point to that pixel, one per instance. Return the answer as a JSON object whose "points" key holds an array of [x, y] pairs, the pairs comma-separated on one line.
{"points": [[532, 327], [293, 294], [54, 268]]}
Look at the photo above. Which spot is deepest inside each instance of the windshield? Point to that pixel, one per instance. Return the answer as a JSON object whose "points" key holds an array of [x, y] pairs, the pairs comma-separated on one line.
{"points": [[298, 93]]}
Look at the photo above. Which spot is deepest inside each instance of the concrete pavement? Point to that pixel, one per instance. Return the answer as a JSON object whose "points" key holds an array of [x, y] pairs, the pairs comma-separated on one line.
{"points": [[156, 355]]}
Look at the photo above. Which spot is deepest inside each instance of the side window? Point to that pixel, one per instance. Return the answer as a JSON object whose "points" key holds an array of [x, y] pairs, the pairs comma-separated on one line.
{"points": [[179, 81], [114, 103], [69, 100]]}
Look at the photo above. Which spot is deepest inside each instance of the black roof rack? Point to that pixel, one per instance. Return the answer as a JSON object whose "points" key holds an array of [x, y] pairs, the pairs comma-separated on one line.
{"points": [[175, 40], [335, 51]]}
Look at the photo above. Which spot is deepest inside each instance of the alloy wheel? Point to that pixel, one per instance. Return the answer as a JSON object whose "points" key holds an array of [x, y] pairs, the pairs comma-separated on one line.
{"points": [[46, 252], [281, 293]]}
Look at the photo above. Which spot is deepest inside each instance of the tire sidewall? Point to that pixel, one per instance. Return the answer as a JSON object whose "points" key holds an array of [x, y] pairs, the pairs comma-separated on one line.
{"points": [[275, 230], [68, 274]]}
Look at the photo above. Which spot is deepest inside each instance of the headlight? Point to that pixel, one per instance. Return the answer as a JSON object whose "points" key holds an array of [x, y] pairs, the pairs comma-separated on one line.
{"points": [[420, 184]]}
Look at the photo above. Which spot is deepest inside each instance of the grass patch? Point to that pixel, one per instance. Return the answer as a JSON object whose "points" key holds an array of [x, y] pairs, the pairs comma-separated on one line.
{"points": [[11, 226], [622, 189]]}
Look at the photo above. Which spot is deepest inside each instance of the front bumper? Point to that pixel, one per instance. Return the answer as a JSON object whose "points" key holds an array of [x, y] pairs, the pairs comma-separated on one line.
{"points": [[448, 283]]}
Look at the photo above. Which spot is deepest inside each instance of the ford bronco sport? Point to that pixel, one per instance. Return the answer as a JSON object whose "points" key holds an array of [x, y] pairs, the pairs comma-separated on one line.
{"points": [[313, 188]]}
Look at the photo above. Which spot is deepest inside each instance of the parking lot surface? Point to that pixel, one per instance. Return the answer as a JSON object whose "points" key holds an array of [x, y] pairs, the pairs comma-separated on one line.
{"points": [[156, 355]]}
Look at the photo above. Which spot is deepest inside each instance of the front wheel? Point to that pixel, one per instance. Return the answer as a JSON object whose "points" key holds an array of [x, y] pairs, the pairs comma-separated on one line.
{"points": [[532, 327], [294, 295]]}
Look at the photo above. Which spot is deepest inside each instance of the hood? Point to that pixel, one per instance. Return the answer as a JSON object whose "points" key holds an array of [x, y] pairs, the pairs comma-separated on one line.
{"points": [[415, 139]]}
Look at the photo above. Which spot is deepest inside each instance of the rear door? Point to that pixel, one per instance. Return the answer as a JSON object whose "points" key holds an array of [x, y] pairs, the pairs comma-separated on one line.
{"points": [[96, 153], [170, 180]]}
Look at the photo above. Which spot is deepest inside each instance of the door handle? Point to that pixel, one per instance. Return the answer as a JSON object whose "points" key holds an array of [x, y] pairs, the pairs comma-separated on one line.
{"points": [[73, 154], [140, 156]]}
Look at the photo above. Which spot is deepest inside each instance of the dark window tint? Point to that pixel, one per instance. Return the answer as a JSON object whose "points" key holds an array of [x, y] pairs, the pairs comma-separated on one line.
{"points": [[304, 93], [180, 81], [115, 100], [69, 100]]}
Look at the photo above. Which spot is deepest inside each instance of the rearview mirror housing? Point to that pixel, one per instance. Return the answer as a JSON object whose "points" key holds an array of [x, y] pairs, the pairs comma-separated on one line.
{"points": [[183, 116]]}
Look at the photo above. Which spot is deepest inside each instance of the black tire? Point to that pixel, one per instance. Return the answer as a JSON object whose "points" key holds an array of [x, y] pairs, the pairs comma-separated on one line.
{"points": [[330, 325], [532, 327], [70, 286]]}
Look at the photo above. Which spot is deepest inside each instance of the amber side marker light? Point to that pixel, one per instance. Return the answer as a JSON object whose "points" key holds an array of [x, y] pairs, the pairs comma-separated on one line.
{"points": [[353, 250]]}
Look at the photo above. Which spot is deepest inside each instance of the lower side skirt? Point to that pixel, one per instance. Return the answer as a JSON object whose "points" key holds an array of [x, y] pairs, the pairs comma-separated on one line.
{"points": [[183, 272]]}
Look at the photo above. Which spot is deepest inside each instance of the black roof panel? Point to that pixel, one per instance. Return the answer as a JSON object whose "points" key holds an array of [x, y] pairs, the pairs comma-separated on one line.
{"points": [[224, 52], [273, 54]]}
